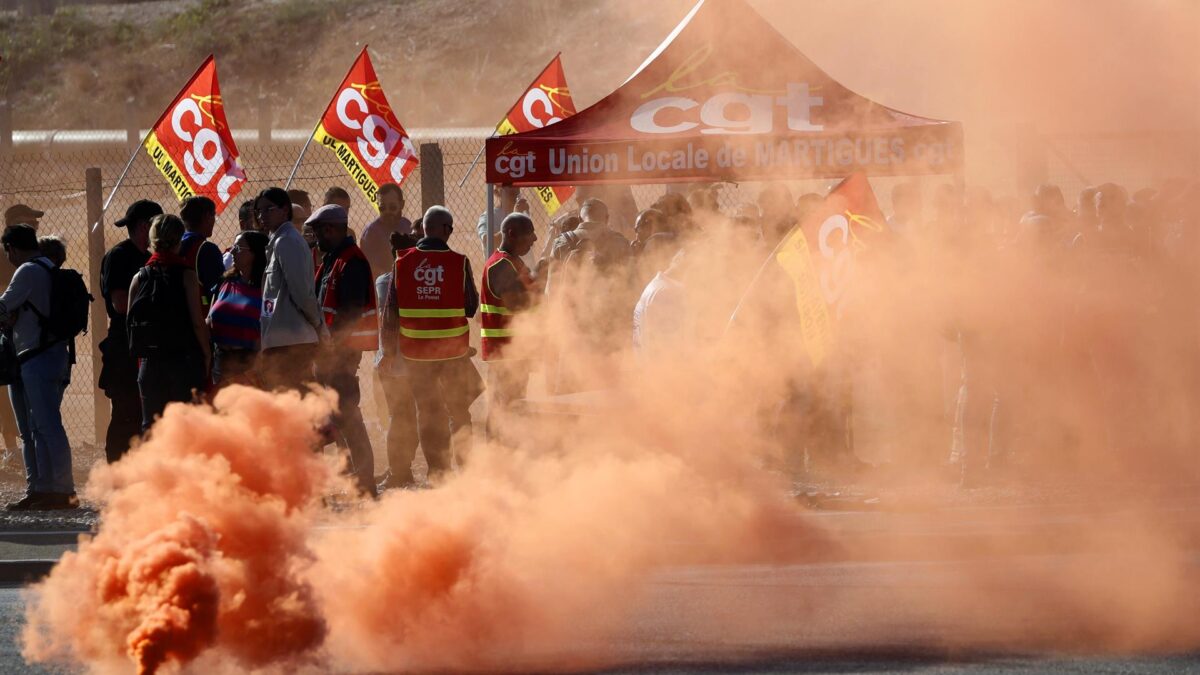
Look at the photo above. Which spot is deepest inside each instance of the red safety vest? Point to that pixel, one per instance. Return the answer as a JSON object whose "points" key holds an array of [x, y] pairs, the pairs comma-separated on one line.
{"points": [[365, 335], [431, 302], [495, 316]]}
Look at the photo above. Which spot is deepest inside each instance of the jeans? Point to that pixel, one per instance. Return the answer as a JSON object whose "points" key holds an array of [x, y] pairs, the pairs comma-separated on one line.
{"points": [[402, 427], [289, 367], [235, 366], [506, 383], [444, 391], [340, 373], [168, 379], [119, 380], [125, 424], [37, 405], [8, 422]]}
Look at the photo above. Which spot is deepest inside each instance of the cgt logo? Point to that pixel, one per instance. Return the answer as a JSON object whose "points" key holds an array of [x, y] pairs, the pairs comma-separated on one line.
{"points": [[208, 155], [429, 275], [377, 140], [728, 112], [539, 108]]}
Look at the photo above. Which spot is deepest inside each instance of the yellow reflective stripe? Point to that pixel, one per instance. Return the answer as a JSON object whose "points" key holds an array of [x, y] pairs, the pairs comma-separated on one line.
{"points": [[364, 333], [328, 311], [432, 313], [369, 312], [495, 332], [495, 309], [433, 334]]}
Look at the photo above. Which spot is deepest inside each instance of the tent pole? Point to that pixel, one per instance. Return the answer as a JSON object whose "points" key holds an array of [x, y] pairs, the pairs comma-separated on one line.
{"points": [[488, 246]]}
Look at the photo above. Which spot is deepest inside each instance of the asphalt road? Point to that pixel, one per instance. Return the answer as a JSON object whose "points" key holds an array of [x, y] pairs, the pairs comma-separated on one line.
{"points": [[824, 618]]}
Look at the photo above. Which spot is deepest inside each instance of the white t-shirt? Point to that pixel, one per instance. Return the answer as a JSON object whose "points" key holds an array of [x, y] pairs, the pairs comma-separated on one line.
{"points": [[660, 318]]}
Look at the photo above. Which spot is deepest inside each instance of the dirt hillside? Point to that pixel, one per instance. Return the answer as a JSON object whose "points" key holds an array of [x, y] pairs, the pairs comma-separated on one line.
{"points": [[442, 62]]}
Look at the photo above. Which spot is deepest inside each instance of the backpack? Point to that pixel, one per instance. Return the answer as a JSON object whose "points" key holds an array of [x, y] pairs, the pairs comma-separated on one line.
{"points": [[69, 305], [157, 321]]}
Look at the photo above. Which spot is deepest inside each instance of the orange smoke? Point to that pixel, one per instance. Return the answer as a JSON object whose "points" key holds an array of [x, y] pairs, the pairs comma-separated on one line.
{"points": [[201, 545]]}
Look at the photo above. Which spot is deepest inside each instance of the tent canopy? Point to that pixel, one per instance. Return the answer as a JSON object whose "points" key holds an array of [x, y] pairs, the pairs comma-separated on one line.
{"points": [[726, 97]]}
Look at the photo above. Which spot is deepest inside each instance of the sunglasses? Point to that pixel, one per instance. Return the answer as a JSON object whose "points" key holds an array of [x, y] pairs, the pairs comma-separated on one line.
{"points": [[263, 212]]}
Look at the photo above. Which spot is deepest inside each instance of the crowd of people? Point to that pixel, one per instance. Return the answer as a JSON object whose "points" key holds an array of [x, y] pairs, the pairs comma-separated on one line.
{"points": [[298, 296]]}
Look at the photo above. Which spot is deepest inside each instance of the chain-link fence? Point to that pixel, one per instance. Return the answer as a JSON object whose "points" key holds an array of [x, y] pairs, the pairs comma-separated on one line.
{"points": [[49, 174]]}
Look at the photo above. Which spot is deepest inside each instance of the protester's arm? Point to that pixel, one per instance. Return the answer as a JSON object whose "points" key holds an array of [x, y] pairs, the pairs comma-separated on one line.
{"points": [[353, 292], [389, 321], [470, 292], [16, 294], [132, 292], [191, 288], [116, 273], [559, 247], [209, 265], [297, 275]]}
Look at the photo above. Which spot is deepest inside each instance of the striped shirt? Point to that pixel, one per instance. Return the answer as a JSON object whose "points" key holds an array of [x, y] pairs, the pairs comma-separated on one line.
{"points": [[235, 315]]}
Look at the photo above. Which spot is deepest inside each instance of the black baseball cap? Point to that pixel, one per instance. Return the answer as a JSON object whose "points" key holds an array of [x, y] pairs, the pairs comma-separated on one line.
{"points": [[142, 209]]}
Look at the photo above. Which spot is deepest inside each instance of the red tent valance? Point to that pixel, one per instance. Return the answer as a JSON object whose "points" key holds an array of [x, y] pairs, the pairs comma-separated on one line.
{"points": [[726, 97]]}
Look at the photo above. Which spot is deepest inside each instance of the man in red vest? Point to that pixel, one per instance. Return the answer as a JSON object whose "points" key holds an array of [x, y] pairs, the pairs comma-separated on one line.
{"points": [[508, 289], [346, 293], [435, 295]]}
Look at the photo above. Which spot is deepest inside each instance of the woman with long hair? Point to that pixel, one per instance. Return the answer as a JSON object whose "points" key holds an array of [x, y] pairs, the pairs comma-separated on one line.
{"points": [[234, 318]]}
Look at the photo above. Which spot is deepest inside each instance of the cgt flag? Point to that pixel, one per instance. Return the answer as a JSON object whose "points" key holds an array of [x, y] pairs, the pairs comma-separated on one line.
{"points": [[845, 226], [546, 101], [191, 144], [360, 127]]}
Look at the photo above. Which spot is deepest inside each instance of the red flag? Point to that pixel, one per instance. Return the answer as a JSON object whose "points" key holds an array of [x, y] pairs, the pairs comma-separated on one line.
{"points": [[546, 101], [191, 144], [360, 127], [820, 255]]}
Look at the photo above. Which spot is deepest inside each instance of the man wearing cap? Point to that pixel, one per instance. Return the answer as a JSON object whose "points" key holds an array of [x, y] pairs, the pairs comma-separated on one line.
{"points": [[346, 293], [17, 214], [45, 372], [22, 214], [435, 295], [119, 370]]}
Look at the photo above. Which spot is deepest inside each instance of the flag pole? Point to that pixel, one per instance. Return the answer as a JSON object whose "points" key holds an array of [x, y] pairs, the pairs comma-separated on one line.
{"points": [[142, 144], [471, 168], [762, 268], [482, 150], [296, 166], [112, 193]]}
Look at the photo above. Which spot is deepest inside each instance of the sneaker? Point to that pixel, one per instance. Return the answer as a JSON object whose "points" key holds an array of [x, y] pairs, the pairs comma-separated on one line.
{"points": [[56, 501], [397, 484], [26, 503]]}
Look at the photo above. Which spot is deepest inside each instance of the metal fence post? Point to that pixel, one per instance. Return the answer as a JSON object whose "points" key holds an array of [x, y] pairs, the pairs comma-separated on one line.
{"points": [[95, 214], [433, 177], [6, 129], [1031, 166], [131, 126], [264, 120]]}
